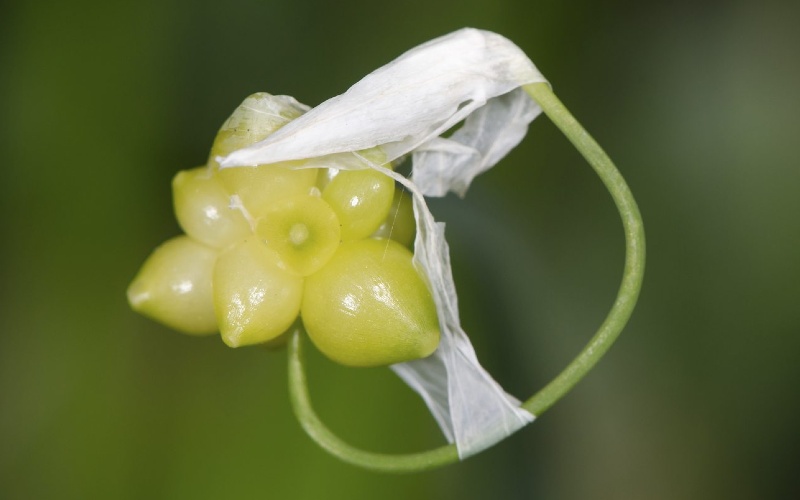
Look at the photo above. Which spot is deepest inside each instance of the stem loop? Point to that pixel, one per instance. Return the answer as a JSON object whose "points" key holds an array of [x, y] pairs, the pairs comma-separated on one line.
{"points": [[540, 402]]}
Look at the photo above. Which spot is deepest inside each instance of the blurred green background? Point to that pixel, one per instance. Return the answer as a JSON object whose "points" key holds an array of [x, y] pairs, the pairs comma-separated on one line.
{"points": [[102, 102]]}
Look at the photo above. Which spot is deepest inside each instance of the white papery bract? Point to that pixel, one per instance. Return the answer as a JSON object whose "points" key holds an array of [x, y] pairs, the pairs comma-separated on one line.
{"points": [[403, 108]]}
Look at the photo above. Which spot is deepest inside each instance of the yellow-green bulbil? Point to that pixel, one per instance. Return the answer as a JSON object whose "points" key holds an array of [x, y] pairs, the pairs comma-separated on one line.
{"points": [[361, 199], [303, 230], [202, 207], [399, 224], [174, 286], [369, 306], [255, 299]]}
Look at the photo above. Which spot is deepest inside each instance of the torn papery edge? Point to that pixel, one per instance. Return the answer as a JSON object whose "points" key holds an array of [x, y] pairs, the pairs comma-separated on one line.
{"points": [[403, 108]]}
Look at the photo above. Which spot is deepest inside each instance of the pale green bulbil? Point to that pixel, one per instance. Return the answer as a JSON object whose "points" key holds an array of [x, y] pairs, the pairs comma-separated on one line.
{"points": [[369, 307], [399, 225], [174, 286], [361, 200], [258, 116], [260, 187], [304, 231], [254, 298], [202, 207]]}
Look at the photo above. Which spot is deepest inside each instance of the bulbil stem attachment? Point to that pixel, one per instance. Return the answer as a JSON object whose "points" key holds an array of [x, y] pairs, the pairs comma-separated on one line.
{"points": [[592, 352], [319, 432]]}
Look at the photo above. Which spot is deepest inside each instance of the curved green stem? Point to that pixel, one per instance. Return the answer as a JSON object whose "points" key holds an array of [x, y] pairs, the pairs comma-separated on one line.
{"points": [[633, 272], [319, 432], [594, 350]]}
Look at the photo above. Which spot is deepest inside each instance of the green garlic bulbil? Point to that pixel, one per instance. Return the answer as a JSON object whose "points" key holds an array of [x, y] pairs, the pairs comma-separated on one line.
{"points": [[267, 244]]}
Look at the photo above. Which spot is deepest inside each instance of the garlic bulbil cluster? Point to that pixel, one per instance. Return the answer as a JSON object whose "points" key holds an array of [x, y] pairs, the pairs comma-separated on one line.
{"points": [[269, 245]]}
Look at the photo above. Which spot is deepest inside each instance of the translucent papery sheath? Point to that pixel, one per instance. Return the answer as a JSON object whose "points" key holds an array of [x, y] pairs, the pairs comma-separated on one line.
{"points": [[471, 76]]}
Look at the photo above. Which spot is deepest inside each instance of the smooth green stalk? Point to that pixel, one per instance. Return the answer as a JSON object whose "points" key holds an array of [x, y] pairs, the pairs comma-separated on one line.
{"points": [[594, 350], [319, 432], [633, 272]]}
